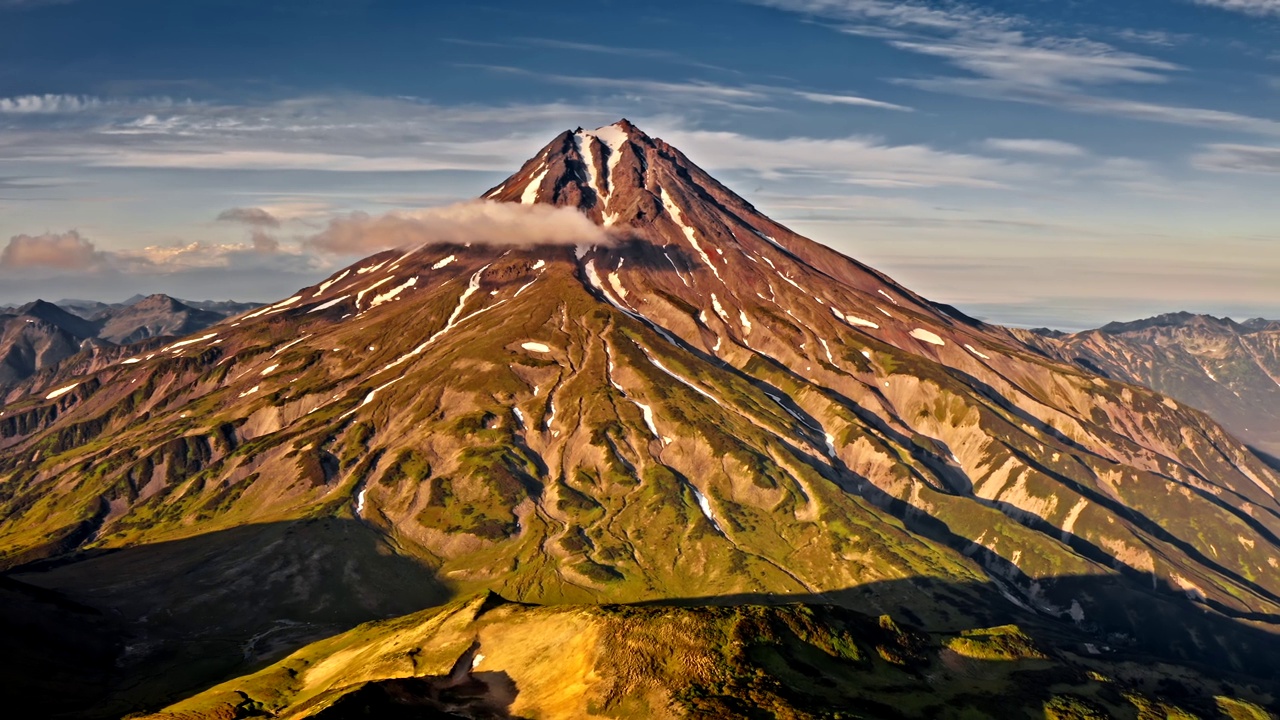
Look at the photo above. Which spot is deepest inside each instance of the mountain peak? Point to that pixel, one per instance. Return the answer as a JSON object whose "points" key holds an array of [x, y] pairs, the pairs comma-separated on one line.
{"points": [[601, 172], [1171, 320]]}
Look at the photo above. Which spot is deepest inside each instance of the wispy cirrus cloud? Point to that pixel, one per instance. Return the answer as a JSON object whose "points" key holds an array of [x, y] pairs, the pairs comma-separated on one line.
{"points": [[858, 100], [353, 134], [1248, 7], [863, 161], [1222, 157], [61, 103], [750, 97], [1005, 57], [1031, 146]]}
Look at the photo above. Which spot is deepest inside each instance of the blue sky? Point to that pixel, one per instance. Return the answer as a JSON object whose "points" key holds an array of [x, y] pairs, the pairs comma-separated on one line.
{"points": [[1033, 162]]}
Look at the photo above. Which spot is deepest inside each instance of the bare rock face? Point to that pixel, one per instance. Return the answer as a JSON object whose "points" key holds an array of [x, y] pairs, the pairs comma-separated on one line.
{"points": [[42, 339], [1231, 370], [154, 316], [708, 406]]}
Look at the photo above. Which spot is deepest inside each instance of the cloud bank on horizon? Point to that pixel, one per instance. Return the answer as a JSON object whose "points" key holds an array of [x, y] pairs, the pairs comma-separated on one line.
{"points": [[1094, 161]]}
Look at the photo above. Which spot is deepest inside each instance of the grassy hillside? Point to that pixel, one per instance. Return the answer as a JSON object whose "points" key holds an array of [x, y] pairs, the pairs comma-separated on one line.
{"points": [[488, 658]]}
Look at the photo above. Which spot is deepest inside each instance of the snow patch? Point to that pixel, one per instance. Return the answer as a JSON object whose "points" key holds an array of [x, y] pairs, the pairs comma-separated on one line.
{"points": [[130, 361], [472, 286], [648, 419], [288, 345], [443, 262], [855, 320], [390, 294], [582, 139], [536, 347], [61, 391], [327, 305], [270, 369], [974, 350], [193, 341], [705, 506], [616, 283], [329, 283], [530, 194], [526, 286], [250, 391], [926, 336], [658, 364], [683, 279], [674, 212], [360, 295], [771, 241], [715, 303]]}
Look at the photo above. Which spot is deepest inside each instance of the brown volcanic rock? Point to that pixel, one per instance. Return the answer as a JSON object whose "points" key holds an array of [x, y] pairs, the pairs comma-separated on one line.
{"points": [[154, 316], [710, 405], [1231, 370]]}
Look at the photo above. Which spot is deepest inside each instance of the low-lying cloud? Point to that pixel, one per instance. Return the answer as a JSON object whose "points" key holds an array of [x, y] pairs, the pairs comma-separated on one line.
{"points": [[253, 216], [65, 251], [469, 222]]}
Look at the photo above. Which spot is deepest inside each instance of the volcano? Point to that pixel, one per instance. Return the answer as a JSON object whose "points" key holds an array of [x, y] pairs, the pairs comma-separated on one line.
{"points": [[704, 408]]}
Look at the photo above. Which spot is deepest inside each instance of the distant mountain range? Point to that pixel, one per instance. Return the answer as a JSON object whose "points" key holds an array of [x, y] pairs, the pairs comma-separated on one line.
{"points": [[576, 478], [1229, 369], [37, 336]]}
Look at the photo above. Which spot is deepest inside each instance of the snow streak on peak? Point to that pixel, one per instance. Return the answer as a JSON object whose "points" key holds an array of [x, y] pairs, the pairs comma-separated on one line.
{"points": [[611, 138]]}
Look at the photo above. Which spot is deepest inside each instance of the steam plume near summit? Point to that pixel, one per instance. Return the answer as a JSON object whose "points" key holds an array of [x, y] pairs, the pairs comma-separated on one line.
{"points": [[477, 221]]}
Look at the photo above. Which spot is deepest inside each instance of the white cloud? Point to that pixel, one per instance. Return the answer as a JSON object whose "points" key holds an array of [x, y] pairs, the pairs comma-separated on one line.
{"points": [[1006, 58], [47, 104], [829, 99], [474, 221], [62, 251], [854, 160], [255, 216], [1239, 158], [1249, 7], [262, 160], [340, 134], [1053, 148], [753, 97]]}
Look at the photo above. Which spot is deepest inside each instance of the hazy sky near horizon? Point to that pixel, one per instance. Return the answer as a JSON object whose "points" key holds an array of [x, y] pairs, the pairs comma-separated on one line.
{"points": [[1032, 162]]}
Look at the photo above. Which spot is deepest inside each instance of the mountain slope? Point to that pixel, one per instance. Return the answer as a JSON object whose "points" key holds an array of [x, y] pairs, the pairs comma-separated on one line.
{"points": [[153, 316], [487, 658], [1231, 370], [38, 336], [707, 406]]}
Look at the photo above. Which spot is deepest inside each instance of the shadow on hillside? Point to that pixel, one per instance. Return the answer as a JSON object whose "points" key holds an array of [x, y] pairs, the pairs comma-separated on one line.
{"points": [[1120, 620], [461, 694], [185, 614], [114, 632], [1267, 458]]}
